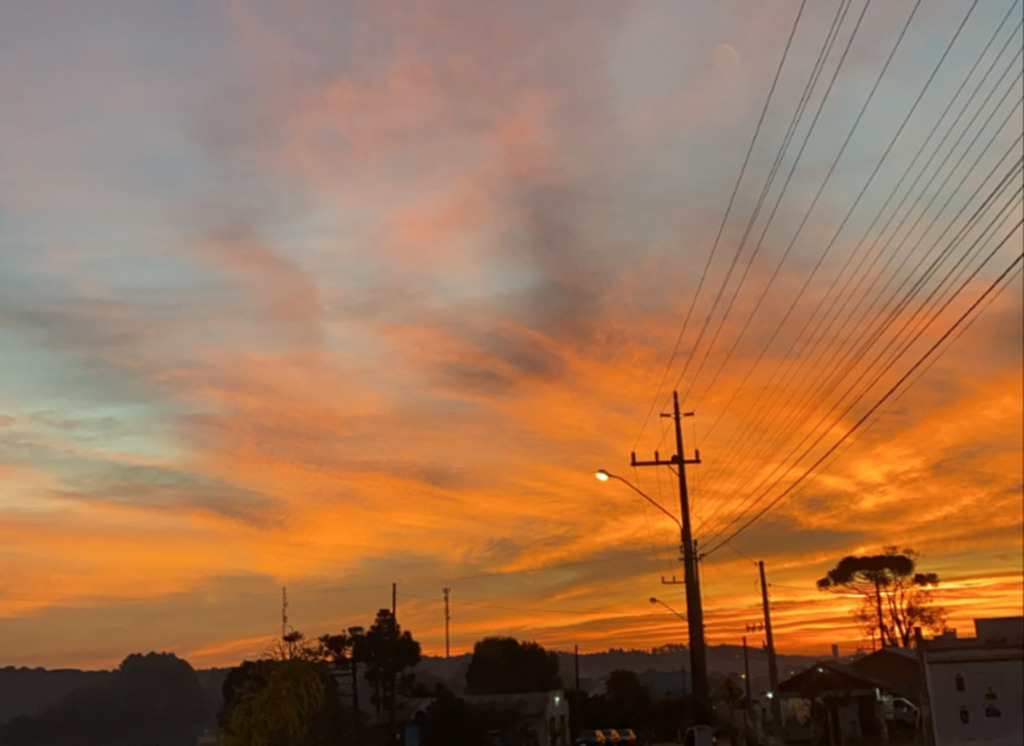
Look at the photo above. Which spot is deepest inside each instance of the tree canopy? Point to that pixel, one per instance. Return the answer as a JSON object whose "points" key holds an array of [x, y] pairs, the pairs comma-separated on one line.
{"points": [[503, 665], [287, 698], [387, 651], [151, 698], [896, 598], [280, 702], [628, 699]]}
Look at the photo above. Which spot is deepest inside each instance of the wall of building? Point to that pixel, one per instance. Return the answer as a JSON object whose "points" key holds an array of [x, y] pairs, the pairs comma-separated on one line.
{"points": [[976, 695]]}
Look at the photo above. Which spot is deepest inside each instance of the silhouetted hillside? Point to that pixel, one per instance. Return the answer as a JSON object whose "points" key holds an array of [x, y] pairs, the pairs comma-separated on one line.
{"points": [[34, 691], [152, 698], [29, 691], [723, 660]]}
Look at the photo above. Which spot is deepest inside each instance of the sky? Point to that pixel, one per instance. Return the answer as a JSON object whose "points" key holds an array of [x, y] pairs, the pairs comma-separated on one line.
{"points": [[330, 296]]}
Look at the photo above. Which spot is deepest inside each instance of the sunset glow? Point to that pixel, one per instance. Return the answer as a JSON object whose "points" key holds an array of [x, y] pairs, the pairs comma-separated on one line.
{"points": [[338, 295]]}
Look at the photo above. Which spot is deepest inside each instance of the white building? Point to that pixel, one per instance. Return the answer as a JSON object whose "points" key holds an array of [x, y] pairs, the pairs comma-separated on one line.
{"points": [[976, 685]]}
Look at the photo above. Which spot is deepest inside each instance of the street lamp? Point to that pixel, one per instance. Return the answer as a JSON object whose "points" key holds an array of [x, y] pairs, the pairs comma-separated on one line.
{"points": [[659, 601], [694, 611], [604, 475]]}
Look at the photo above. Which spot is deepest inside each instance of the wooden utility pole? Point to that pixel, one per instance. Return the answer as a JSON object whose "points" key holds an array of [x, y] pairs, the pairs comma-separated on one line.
{"points": [[927, 720], [746, 671], [773, 665], [394, 600], [694, 611], [447, 619]]}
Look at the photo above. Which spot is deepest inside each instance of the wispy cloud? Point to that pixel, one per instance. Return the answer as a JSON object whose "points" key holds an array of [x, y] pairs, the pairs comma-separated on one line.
{"points": [[339, 296]]}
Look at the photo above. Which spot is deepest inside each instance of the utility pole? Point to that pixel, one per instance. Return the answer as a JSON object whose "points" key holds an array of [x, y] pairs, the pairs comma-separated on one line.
{"points": [[694, 612], [284, 611], [773, 665], [447, 619], [926, 699], [746, 672], [748, 702], [576, 665], [394, 600]]}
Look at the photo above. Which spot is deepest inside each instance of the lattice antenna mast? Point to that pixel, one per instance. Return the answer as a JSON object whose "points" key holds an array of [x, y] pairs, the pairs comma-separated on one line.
{"points": [[284, 611]]}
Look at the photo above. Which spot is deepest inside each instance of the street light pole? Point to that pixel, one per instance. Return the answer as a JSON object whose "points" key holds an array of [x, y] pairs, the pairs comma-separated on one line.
{"points": [[659, 601], [654, 600], [694, 610], [604, 476]]}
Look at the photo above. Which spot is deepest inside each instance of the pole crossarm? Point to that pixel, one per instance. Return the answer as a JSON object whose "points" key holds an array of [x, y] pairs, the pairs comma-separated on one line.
{"points": [[658, 461], [695, 614]]}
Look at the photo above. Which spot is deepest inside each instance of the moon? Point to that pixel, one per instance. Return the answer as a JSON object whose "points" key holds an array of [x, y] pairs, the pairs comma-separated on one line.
{"points": [[725, 57]]}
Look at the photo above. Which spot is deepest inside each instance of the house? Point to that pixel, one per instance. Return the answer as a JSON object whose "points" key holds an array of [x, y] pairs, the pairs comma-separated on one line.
{"points": [[833, 700], [975, 686], [544, 714], [897, 668], [542, 717]]}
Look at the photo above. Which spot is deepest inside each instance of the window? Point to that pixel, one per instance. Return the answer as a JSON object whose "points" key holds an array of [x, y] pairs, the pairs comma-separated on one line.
{"points": [[959, 682], [965, 715], [992, 712]]}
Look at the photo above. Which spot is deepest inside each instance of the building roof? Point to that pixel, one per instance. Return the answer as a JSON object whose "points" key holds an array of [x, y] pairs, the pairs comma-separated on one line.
{"points": [[530, 704], [524, 703], [897, 667], [829, 677]]}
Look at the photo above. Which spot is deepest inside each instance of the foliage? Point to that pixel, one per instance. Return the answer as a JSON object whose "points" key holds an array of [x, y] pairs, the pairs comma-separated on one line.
{"points": [[451, 721], [387, 651], [287, 698], [895, 597], [290, 696], [280, 702], [501, 665], [668, 718], [152, 698], [629, 701], [294, 645], [346, 652]]}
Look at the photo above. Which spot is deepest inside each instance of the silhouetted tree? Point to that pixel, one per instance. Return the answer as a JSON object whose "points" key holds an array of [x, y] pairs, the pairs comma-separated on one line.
{"points": [[288, 698], [501, 665], [451, 721], [387, 651], [628, 699], [152, 698], [346, 651], [896, 598]]}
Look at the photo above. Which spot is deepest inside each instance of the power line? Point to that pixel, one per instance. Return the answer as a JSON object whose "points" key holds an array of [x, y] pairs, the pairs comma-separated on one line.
{"points": [[725, 217], [877, 377], [826, 49], [849, 212], [764, 401], [994, 287]]}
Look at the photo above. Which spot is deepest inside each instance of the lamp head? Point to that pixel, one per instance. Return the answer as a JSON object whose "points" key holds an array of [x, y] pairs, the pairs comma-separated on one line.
{"points": [[654, 600], [602, 475]]}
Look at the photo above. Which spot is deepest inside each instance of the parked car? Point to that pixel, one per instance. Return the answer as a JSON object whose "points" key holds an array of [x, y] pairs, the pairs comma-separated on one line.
{"points": [[904, 715], [627, 735], [589, 738], [611, 735], [699, 735]]}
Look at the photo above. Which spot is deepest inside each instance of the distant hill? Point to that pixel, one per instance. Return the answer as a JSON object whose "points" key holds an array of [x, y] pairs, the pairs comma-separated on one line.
{"points": [[33, 690], [29, 691], [723, 660]]}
